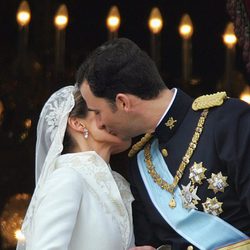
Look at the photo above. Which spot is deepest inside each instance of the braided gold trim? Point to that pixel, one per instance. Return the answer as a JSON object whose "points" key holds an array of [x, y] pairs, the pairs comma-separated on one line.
{"points": [[139, 145], [209, 101], [185, 160]]}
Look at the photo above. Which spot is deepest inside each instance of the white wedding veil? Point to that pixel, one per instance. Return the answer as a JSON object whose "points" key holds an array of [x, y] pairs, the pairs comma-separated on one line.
{"points": [[49, 145]]}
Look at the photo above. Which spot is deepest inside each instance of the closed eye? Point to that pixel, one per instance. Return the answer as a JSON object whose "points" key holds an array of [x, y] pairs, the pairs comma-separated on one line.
{"points": [[97, 112]]}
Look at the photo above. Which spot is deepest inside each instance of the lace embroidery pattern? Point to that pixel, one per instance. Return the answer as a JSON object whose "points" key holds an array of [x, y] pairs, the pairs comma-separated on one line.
{"points": [[53, 118], [109, 188], [54, 110]]}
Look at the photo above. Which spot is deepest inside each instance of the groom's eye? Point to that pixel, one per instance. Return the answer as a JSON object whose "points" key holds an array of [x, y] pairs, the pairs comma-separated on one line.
{"points": [[97, 112]]}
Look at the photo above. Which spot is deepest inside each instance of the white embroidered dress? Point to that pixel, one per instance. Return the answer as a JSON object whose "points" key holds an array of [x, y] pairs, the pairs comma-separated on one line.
{"points": [[90, 207]]}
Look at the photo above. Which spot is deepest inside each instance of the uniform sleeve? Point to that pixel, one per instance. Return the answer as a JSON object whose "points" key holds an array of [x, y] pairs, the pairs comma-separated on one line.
{"points": [[233, 144], [56, 213], [242, 160]]}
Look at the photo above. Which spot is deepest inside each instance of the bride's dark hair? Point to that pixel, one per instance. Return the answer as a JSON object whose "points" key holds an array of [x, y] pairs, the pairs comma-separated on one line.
{"points": [[80, 110]]}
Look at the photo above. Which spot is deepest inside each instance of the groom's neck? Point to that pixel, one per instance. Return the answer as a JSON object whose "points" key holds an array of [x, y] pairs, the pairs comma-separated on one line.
{"points": [[152, 110]]}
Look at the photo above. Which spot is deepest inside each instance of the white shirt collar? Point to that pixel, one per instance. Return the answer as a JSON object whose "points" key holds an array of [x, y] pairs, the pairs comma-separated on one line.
{"points": [[169, 106]]}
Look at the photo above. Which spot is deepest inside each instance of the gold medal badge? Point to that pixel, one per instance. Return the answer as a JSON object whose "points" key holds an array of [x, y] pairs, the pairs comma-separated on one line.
{"points": [[197, 173], [212, 206], [217, 182]]}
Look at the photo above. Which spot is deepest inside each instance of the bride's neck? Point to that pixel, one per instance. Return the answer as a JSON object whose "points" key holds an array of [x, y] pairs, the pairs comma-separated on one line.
{"points": [[81, 148], [104, 152], [101, 149]]}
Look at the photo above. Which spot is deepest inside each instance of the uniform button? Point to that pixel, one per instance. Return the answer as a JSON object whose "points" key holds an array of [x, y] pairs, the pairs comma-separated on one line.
{"points": [[164, 152], [190, 248]]}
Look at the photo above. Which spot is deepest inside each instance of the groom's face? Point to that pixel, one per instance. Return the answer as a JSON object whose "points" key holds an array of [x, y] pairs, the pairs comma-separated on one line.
{"points": [[108, 117]]}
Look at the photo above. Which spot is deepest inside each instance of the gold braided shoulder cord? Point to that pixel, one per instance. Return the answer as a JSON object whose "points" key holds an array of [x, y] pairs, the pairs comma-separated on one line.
{"points": [[139, 145], [185, 160]]}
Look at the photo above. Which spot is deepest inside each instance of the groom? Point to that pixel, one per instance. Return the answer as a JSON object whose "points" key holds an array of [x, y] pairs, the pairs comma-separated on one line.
{"points": [[190, 173]]}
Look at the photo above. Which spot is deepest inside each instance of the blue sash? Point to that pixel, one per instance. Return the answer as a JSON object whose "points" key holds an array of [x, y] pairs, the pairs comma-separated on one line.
{"points": [[203, 230]]}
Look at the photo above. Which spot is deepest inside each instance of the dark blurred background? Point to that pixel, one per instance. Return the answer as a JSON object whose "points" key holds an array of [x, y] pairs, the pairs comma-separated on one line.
{"points": [[26, 80]]}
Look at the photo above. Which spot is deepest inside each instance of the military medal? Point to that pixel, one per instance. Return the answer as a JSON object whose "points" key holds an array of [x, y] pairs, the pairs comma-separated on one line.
{"points": [[172, 203], [212, 206], [217, 182], [189, 197], [197, 173]]}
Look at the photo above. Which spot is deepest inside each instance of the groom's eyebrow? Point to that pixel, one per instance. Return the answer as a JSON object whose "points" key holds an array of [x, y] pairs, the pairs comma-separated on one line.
{"points": [[93, 110]]}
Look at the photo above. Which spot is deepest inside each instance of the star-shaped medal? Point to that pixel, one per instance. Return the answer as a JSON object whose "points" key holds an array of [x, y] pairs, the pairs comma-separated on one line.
{"points": [[197, 173], [217, 182], [212, 206], [189, 197]]}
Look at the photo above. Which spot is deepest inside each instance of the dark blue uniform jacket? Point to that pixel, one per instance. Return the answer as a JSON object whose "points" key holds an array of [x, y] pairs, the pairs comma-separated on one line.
{"points": [[224, 146]]}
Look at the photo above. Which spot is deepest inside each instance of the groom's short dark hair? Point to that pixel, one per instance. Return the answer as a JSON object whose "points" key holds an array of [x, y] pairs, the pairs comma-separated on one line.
{"points": [[120, 66]]}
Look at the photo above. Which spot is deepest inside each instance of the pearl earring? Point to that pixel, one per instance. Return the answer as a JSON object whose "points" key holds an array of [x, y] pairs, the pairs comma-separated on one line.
{"points": [[85, 133]]}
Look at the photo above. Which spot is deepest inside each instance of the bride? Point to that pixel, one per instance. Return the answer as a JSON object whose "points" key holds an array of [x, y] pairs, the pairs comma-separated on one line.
{"points": [[79, 203]]}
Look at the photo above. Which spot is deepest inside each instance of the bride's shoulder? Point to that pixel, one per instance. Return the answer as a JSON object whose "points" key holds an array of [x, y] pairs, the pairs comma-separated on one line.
{"points": [[66, 175]]}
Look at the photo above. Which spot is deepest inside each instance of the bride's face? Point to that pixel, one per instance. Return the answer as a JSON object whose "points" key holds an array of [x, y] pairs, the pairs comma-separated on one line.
{"points": [[102, 136]]}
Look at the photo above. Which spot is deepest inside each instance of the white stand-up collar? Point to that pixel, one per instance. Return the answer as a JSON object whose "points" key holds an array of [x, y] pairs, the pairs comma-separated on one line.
{"points": [[174, 90]]}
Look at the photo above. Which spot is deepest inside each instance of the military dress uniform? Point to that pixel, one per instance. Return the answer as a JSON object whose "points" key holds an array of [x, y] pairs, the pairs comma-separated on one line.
{"points": [[221, 156]]}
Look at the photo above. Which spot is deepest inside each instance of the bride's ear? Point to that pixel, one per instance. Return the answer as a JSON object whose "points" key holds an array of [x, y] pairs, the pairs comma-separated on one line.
{"points": [[76, 124]]}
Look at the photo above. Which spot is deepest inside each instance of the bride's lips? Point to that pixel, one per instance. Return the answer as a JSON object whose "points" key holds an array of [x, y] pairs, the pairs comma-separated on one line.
{"points": [[111, 132]]}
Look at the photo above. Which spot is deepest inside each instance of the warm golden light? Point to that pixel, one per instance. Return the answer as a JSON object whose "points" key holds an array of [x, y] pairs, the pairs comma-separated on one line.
{"points": [[27, 123], [245, 95], [229, 36], [11, 220], [19, 235], [155, 21], [24, 136], [23, 14], [61, 18], [113, 20], [186, 27]]}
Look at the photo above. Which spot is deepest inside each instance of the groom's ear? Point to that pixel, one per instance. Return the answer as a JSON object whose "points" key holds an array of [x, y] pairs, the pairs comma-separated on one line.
{"points": [[123, 102], [76, 124]]}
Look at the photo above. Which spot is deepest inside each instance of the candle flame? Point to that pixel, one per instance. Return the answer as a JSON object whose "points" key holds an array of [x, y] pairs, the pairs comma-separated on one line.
{"points": [[229, 36], [113, 20], [155, 22], [186, 27], [23, 14], [62, 17]]}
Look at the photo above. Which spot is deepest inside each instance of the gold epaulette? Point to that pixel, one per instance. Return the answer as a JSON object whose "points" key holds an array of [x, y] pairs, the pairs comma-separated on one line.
{"points": [[209, 101], [139, 145]]}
